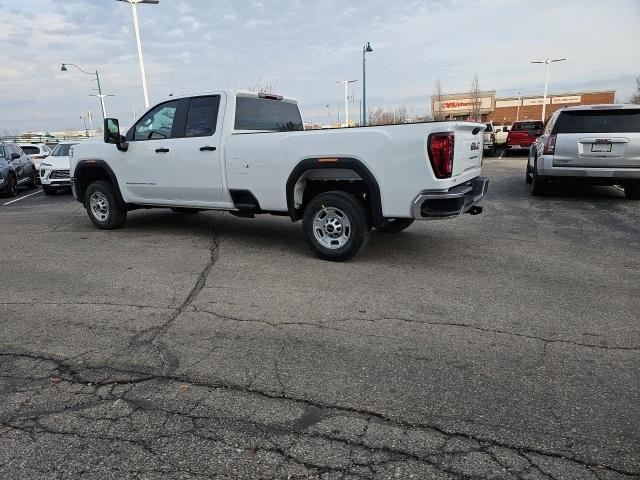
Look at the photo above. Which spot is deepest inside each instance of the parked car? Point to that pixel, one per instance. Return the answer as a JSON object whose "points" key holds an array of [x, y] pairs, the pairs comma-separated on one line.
{"points": [[248, 154], [501, 133], [54, 170], [598, 144], [37, 152], [16, 169], [489, 139], [522, 135]]}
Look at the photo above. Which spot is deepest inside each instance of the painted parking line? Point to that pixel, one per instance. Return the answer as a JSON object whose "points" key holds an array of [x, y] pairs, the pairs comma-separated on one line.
{"points": [[22, 198]]}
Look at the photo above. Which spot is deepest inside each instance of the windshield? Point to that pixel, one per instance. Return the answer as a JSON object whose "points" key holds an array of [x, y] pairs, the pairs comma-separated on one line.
{"points": [[599, 121], [526, 126], [62, 150], [262, 114], [31, 150]]}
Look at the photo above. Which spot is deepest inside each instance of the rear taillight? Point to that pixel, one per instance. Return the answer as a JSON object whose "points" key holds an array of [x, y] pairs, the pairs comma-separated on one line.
{"points": [[550, 145], [440, 148]]}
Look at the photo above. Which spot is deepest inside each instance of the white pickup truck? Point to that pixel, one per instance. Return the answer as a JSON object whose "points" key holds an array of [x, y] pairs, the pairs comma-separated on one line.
{"points": [[249, 154]]}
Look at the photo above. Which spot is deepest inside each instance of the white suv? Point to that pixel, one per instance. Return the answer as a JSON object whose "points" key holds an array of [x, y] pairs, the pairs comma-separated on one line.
{"points": [[54, 170], [596, 144]]}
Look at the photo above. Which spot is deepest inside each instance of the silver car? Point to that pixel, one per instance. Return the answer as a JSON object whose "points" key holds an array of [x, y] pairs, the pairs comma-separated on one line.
{"points": [[596, 144]]}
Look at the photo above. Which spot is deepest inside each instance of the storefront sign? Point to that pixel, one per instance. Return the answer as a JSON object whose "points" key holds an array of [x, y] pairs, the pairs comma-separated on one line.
{"points": [[464, 104], [572, 99]]}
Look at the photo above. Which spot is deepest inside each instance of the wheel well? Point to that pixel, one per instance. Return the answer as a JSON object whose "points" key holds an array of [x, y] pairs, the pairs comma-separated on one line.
{"points": [[88, 174], [311, 178]]}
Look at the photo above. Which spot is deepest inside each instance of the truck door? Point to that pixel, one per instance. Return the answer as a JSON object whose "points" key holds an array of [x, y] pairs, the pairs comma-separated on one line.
{"points": [[147, 166], [197, 157]]}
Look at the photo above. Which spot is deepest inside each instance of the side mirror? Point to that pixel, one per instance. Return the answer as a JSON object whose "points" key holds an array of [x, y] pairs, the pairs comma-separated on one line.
{"points": [[15, 156], [112, 134]]}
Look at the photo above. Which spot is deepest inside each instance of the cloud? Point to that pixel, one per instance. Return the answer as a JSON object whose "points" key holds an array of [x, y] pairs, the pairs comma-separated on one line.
{"points": [[304, 47]]}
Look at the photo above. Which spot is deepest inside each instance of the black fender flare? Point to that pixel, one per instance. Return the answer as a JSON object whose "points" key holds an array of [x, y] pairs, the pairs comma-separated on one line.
{"points": [[97, 164], [345, 163]]}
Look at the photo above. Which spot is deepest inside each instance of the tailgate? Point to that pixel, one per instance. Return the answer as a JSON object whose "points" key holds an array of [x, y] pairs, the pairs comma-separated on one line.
{"points": [[521, 138], [468, 147], [579, 150]]}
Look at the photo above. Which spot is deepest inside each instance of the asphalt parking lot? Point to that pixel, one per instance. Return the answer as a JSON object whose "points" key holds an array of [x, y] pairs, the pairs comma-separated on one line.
{"points": [[503, 346]]}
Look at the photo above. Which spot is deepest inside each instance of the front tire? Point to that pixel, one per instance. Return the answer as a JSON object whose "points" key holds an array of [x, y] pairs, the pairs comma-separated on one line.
{"points": [[336, 225], [102, 206], [12, 186], [632, 192], [395, 225], [33, 182]]}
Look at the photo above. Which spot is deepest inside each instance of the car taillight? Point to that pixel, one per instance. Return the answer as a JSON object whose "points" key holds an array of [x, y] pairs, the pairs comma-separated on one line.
{"points": [[550, 145], [440, 148]]}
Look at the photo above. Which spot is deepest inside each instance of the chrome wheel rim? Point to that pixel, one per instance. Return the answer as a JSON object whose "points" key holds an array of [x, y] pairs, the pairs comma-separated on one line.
{"points": [[99, 206], [331, 228]]}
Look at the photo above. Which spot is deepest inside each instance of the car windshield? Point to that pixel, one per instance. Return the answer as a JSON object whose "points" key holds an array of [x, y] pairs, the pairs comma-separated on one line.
{"points": [[62, 150], [30, 150], [599, 121], [526, 126]]}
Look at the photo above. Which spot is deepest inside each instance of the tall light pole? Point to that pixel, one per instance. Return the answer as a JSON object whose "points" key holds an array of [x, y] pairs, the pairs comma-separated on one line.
{"points": [[100, 95], [346, 99], [134, 4], [547, 62], [519, 103], [366, 49]]}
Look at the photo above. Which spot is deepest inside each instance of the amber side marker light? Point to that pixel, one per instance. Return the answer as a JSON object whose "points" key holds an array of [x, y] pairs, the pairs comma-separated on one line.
{"points": [[328, 160]]}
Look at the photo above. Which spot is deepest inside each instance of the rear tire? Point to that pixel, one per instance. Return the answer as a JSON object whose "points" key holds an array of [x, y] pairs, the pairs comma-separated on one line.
{"points": [[632, 192], [527, 177], [33, 182], [539, 185], [102, 206], [336, 225], [186, 211], [395, 225]]}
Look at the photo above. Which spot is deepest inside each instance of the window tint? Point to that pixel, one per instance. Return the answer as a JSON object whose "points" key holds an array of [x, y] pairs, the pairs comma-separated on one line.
{"points": [[158, 123], [264, 114], [526, 126], [600, 121], [62, 150], [31, 150], [202, 116]]}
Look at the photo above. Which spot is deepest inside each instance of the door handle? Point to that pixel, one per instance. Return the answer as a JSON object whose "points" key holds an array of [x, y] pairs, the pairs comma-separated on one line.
{"points": [[208, 149], [162, 150]]}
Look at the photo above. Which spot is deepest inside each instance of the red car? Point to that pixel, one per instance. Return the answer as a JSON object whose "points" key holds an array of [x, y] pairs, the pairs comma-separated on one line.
{"points": [[522, 135]]}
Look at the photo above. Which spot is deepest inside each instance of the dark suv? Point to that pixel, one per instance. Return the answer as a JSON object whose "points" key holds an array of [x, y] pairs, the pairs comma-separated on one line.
{"points": [[16, 168]]}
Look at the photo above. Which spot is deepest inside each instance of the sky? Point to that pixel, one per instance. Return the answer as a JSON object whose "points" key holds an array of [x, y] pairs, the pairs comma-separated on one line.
{"points": [[303, 48]]}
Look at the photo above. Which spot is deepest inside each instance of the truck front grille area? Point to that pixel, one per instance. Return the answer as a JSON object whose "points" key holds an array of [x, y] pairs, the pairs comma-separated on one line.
{"points": [[59, 174]]}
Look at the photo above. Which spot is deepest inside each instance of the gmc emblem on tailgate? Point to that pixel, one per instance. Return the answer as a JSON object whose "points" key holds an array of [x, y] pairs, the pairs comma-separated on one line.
{"points": [[602, 141], [475, 146]]}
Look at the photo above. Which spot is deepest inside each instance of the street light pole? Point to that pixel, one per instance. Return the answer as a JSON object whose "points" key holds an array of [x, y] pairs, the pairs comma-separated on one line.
{"points": [[366, 49], [136, 26], [547, 63], [346, 99], [100, 95]]}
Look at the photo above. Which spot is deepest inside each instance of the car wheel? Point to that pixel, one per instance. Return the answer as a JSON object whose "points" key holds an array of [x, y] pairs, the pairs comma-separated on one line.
{"points": [[527, 176], [632, 192], [102, 206], [48, 190], [186, 211], [539, 185], [33, 181], [395, 225], [336, 225], [12, 186]]}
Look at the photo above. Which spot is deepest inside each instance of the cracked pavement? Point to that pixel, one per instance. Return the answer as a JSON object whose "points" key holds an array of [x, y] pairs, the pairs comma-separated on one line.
{"points": [[504, 346]]}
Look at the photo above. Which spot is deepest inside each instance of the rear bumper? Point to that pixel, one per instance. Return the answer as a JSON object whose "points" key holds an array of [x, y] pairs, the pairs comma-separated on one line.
{"points": [[610, 175], [451, 203]]}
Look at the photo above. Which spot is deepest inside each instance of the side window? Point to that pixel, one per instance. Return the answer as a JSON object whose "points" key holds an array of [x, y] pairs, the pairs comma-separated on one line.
{"points": [[157, 124], [2, 152], [202, 116], [17, 150]]}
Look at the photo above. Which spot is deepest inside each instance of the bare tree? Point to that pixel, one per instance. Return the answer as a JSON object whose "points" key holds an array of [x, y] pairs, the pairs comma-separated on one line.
{"points": [[259, 85], [436, 100], [380, 116], [474, 94], [635, 98]]}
